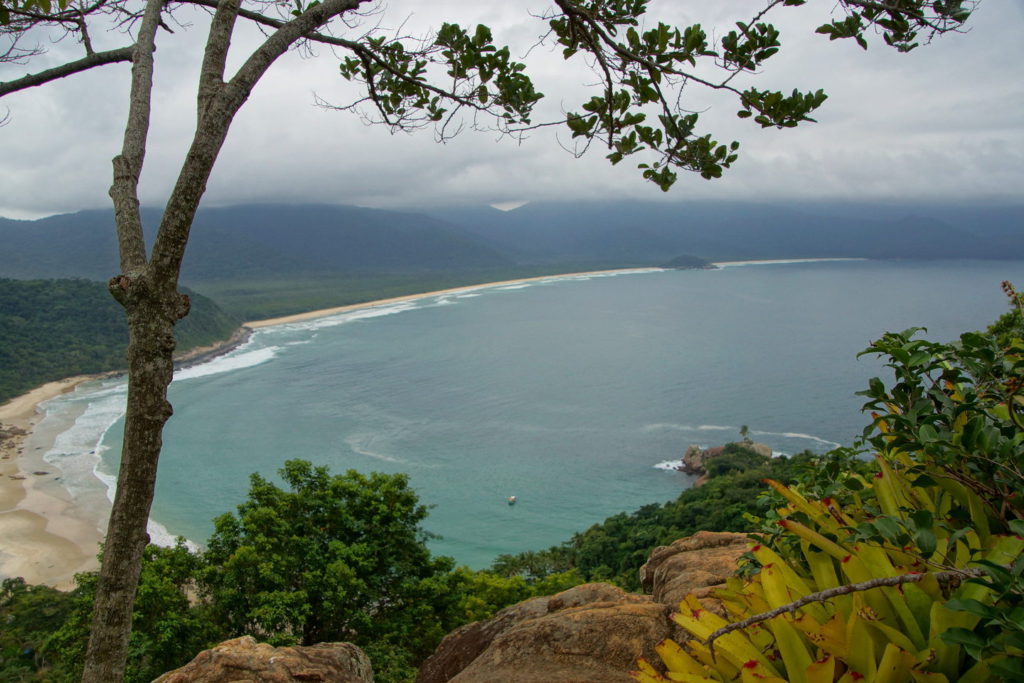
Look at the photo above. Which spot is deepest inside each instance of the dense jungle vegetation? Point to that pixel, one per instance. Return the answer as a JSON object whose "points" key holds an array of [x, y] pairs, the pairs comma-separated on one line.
{"points": [[52, 329]]}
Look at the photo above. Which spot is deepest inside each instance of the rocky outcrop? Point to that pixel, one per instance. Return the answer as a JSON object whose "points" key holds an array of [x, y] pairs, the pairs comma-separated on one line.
{"points": [[696, 564], [695, 458], [243, 660], [591, 633]]}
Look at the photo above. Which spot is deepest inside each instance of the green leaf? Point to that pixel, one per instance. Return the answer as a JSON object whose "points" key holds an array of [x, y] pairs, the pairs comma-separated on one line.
{"points": [[926, 542], [1010, 668], [972, 606], [964, 637]]}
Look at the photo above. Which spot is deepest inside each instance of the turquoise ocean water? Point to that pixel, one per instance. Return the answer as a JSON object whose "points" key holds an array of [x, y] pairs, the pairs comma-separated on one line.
{"points": [[570, 393]]}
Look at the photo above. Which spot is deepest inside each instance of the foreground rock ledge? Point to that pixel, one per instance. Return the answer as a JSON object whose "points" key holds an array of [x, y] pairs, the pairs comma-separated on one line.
{"points": [[592, 633], [243, 660]]}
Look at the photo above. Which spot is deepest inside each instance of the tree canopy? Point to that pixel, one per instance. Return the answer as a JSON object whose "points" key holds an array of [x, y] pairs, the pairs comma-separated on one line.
{"points": [[334, 557]]}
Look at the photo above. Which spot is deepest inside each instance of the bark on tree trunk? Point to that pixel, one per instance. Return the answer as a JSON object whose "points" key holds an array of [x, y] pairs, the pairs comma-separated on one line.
{"points": [[151, 317]]}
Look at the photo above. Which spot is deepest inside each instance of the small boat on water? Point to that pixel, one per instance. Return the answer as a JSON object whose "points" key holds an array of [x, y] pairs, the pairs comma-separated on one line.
{"points": [[511, 500]]}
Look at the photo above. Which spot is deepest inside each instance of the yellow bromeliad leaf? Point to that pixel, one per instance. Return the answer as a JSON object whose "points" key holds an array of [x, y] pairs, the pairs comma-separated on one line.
{"points": [[928, 677], [689, 678], [816, 510], [734, 646], [646, 673], [755, 674], [895, 665], [768, 557], [716, 664], [822, 671], [829, 637], [890, 490], [894, 636], [941, 619], [860, 654], [677, 660], [796, 656]]}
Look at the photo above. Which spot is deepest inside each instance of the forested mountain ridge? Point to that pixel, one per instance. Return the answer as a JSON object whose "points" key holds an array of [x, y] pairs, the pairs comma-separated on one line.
{"points": [[719, 231], [265, 260], [51, 329], [259, 242], [250, 242]]}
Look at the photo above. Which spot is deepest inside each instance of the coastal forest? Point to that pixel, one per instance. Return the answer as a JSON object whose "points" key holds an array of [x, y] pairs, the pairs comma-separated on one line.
{"points": [[52, 329]]}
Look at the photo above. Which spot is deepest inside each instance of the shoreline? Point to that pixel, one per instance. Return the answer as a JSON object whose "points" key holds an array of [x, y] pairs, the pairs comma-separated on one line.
{"points": [[46, 536], [324, 312]]}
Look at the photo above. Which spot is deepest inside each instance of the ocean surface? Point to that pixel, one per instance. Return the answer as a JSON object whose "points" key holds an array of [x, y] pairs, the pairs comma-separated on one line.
{"points": [[571, 393]]}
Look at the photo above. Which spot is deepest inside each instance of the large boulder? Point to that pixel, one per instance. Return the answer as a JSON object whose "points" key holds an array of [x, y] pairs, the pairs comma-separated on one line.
{"points": [[696, 564], [588, 634], [243, 660], [460, 647], [592, 633]]}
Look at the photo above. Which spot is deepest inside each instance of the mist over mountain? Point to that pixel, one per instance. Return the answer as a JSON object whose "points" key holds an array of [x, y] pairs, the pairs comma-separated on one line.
{"points": [[251, 242], [279, 242], [650, 232]]}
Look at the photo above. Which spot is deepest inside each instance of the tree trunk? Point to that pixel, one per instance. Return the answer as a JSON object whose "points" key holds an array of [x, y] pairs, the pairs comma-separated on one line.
{"points": [[148, 292], [152, 312]]}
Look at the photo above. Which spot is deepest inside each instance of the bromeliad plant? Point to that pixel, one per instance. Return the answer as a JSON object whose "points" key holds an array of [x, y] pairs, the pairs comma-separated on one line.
{"points": [[912, 572]]}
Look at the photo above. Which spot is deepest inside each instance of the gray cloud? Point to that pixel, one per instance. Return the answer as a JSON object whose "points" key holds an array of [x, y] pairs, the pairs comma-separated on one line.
{"points": [[943, 121]]}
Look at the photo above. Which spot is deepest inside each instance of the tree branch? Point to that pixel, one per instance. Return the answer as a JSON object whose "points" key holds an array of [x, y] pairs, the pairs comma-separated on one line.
{"points": [[952, 575], [128, 164], [211, 76], [123, 54], [365, 53], [172, 236]]}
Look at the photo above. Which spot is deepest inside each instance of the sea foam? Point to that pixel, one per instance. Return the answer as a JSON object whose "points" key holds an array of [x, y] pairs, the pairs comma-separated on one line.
{"points": [[228, 363], [348, 317], [773, 262]]}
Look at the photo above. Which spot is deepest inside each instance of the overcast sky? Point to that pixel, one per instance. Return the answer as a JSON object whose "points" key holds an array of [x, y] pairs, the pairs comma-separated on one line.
{"points": [[943, 122]]}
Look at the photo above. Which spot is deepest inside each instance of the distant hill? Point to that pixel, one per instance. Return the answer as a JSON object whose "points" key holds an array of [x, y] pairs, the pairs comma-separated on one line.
{"points": [[51, 329], [260, 261], [649, 233], [251, 242]]}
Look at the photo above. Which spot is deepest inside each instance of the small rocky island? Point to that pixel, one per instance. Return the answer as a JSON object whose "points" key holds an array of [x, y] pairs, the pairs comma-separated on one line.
{"points": [[696, 460]]}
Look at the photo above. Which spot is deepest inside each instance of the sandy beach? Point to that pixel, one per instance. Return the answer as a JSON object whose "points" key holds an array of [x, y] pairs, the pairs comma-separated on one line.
{"points": [[310, 315], [46, 536]]}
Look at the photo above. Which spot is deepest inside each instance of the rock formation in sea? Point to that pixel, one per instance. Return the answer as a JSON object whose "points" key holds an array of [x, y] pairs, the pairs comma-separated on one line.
{"points": [[695, 458]]}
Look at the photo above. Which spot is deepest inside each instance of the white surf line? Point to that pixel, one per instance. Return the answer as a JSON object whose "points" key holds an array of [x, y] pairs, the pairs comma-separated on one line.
{"points": [[768, 262]]}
